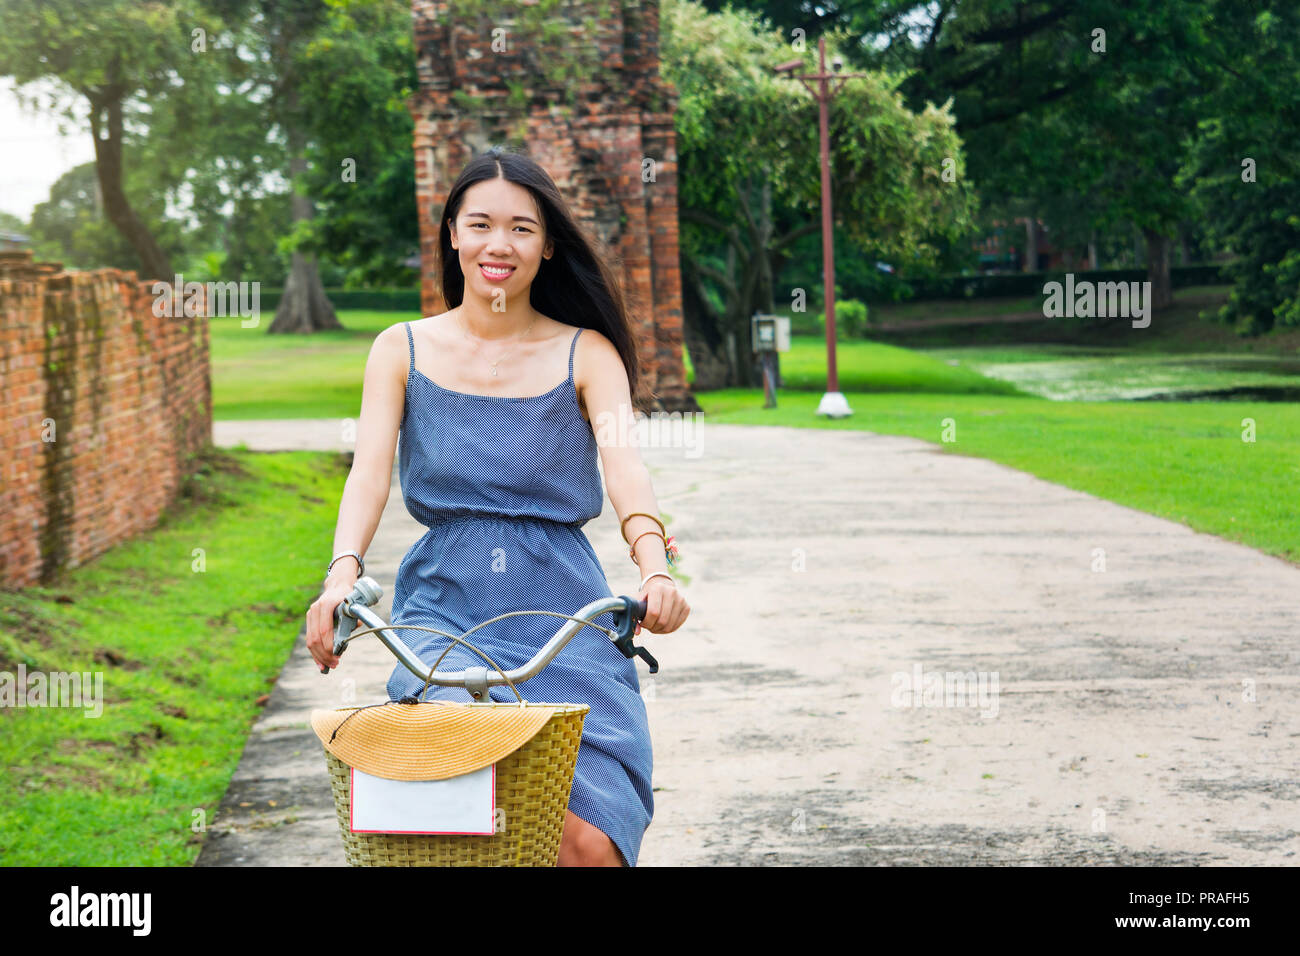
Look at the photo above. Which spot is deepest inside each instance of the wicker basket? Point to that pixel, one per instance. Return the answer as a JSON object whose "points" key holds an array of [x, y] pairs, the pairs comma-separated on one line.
{"points": [[532, 787]]}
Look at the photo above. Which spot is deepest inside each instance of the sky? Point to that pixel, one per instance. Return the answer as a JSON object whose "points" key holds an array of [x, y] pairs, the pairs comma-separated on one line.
{"points": [[33, 154]]}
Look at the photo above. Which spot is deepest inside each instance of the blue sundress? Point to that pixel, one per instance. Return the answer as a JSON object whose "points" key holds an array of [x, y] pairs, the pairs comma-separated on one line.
{"points": [[504, 486]]}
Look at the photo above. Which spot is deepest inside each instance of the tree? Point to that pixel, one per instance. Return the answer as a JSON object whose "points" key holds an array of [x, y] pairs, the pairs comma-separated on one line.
{"points": [[120, 59], [1076, 111], [11, 223], [1080, 110], [750, 181], [284, 29], [359, 71], [70, 227], [1244, 174], [271, 44]]}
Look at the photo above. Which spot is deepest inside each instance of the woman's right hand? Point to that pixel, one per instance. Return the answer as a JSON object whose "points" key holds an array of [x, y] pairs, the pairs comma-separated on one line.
{"points": [[320, 620]]}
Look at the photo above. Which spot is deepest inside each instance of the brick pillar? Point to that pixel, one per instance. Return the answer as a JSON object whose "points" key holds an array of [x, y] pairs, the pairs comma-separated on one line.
{"points": [[595, 148]]}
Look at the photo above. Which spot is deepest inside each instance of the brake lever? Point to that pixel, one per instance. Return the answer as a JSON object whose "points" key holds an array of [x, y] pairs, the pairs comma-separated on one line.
{"points": [[625, 623], [366, 591], [344, 625]]}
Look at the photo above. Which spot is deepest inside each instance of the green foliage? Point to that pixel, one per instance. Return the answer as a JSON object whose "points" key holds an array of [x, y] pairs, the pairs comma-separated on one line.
{"points": [[1031, 283], [850, 318], [99, 56], [355, 76], [539, 36], [207, 267], [11, 223], [392, 300], [1257, 220], [85, 45], [70, 226], [734, 116], [749, 184], [1147, 132]]}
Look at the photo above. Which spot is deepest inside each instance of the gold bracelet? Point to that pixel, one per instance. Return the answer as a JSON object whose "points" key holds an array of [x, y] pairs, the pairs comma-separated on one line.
{"points": [[631, 552], [622, 528]]}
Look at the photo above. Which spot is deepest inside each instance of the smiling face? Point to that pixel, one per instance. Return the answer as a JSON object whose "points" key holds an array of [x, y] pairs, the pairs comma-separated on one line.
{"points": [[499, 237]]}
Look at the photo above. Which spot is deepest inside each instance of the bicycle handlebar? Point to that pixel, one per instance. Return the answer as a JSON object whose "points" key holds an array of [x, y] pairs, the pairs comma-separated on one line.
{"points": [[356, 608]]}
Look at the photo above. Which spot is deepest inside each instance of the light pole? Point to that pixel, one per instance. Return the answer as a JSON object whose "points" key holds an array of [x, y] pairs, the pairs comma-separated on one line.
{"points": [[833, 403]]}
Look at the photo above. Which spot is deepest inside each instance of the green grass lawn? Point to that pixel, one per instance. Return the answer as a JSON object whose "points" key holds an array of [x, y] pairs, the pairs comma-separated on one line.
{"points": [[864, 365], [185, 654], [255, 375]]}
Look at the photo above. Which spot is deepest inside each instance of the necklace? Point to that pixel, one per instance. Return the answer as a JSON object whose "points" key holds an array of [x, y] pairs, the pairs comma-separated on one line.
{"points": [[494, 365]]}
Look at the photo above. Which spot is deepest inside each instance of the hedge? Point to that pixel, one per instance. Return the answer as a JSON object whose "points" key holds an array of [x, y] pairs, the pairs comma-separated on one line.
{"points": [[1031, 283], [380, 300]]}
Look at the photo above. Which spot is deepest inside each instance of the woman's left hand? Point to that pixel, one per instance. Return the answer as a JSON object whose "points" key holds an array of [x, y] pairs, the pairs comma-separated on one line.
{"points": [[666, 607]]}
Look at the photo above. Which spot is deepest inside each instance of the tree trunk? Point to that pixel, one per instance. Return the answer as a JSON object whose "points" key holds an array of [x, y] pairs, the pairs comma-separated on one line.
{"points": [[107, 104], [699, 329], [304, 308], [1031, 247], [1092, 252], [710, 366], [756, 268], [1162, 294], [745, 279], [720, 341]]}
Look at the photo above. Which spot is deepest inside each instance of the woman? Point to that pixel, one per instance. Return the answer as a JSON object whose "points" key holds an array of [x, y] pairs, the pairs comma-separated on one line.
{"points": [[500, 463]]}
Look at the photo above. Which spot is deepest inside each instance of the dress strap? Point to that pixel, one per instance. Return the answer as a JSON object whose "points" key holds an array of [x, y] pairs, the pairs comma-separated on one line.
{"points": [[411, 341], [573, 346]]}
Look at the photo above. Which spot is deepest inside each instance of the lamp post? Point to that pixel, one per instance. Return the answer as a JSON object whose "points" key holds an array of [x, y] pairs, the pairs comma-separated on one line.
{"points": [[833, 403]]}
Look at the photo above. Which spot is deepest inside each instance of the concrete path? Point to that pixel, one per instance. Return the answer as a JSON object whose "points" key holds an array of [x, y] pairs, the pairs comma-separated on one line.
{"points": [[1135, 688]]}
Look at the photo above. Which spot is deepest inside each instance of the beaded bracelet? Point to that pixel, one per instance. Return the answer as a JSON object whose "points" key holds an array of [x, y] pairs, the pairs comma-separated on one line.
{"points": [[671, 552]]}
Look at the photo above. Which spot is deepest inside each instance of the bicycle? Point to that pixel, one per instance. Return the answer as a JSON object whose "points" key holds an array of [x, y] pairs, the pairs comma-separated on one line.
{"points": [[533, 754]]}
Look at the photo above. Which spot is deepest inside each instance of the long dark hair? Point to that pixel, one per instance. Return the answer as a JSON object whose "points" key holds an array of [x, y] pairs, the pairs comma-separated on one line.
{"points": [[574, 284]]}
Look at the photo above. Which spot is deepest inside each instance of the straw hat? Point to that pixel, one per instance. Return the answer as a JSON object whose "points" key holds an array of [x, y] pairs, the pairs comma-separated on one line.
{"points": [[430, 740]]}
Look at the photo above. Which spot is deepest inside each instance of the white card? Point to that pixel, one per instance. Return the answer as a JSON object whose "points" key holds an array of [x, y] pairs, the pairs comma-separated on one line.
{"points": [[465, 804]]}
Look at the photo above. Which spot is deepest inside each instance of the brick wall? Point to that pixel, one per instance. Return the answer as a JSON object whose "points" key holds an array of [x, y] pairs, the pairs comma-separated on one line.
{"points": [[125, 395], [593, 147]]}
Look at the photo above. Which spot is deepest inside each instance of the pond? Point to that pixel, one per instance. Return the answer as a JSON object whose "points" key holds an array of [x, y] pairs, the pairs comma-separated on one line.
{"points": [[1064, 373]]}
